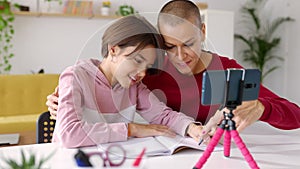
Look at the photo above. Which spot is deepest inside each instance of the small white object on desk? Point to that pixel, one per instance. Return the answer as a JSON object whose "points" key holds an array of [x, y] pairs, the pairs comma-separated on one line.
{"points": [[9, 139]]}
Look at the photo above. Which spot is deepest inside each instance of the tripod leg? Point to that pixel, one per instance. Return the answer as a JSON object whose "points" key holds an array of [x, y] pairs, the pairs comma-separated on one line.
{"points": [[227, 142], [210, 147], [239, 142]]}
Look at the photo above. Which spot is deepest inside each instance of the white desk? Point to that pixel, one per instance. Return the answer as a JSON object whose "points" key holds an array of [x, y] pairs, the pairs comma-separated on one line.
{"points": [[271, 148]]}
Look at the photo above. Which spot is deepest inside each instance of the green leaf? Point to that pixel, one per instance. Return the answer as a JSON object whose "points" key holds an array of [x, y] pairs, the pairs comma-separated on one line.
{"points": [[43, 160], [276, 23], [243, 39], [269, 71], [3, 23], [23, 157], [254, 17], [17, 5], [12, 164], [11, 18], [12, 31], [8, 68], [31, 161]]}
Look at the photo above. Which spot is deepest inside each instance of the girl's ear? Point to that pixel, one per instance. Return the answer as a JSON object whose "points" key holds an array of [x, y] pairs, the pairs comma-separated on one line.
{"points": [[203, 32], [111, 50], [114, 52]]}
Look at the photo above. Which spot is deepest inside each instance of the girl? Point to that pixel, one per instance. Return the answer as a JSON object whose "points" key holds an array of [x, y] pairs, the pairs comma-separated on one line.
{"points": [[98, 99]]}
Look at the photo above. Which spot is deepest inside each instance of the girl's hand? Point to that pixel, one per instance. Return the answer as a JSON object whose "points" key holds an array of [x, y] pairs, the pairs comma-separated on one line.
{"points": [[195, 131], [147, 130]]}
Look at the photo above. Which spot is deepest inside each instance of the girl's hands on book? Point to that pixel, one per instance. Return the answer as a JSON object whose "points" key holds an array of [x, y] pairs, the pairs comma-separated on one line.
{"points": [[147, 130], [194, 130]]}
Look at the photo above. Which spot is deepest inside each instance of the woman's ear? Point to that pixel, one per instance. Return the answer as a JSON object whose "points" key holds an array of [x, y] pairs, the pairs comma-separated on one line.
{"points": [[203, 32]]}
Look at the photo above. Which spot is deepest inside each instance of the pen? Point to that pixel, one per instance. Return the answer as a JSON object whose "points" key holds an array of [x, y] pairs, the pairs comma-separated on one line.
{"points": [[201, 140], [138, 159], [220, 108]]}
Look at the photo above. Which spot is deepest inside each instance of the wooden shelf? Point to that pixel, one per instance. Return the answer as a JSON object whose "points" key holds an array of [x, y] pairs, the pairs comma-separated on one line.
{"points": [[202, 6], [40, 14]]}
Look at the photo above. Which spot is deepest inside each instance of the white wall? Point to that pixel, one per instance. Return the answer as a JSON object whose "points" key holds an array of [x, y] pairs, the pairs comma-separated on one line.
{"points": [[219, 39], [51, 43], [292, 79], [54, 42]]}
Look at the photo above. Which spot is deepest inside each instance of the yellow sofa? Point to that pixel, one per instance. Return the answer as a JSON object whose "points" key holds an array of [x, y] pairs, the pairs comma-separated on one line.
{"points": [[23, 99]]}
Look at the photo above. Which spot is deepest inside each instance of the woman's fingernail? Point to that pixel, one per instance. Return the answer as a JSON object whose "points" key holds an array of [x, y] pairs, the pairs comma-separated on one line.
{"points": [[203, 132]]}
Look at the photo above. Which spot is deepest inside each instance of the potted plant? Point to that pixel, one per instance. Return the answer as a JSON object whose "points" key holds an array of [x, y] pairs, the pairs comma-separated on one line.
{"points": [[125, 10], [49, 5], [27, 163], [105, 9], [260, 41], [6, 33]]}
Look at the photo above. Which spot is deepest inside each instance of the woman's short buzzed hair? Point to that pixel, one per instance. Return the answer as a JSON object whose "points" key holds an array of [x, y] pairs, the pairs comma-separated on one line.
{"points": [[175, 11]]}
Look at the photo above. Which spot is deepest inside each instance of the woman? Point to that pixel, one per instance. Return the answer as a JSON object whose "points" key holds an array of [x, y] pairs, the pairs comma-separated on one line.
{"points": [[98, 99]]}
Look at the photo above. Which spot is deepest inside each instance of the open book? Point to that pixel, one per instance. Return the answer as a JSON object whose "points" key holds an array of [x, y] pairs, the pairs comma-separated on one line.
{"points": [[159, 145]]}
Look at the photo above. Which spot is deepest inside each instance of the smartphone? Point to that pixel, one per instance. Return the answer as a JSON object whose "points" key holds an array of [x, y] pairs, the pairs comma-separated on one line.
{"points": [[218, 84]]}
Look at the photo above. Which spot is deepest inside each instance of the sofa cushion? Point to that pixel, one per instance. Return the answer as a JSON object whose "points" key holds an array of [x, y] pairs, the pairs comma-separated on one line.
{"points": [[23, 98], [18, 123]]}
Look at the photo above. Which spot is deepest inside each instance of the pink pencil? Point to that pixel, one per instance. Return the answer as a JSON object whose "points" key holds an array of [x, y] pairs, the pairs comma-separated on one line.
{"points": [[139, 158]]}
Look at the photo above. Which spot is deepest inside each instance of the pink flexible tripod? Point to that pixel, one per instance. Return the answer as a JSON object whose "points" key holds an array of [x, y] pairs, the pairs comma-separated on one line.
{"points": [[229, 127]]}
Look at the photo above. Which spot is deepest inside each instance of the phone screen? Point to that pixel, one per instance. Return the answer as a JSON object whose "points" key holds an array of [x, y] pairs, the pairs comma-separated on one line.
{"points": [[214, 86]]}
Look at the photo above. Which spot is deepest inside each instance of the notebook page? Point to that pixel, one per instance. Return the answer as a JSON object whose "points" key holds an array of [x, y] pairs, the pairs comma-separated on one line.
{"points": [[134, 146], [178, 142]]}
